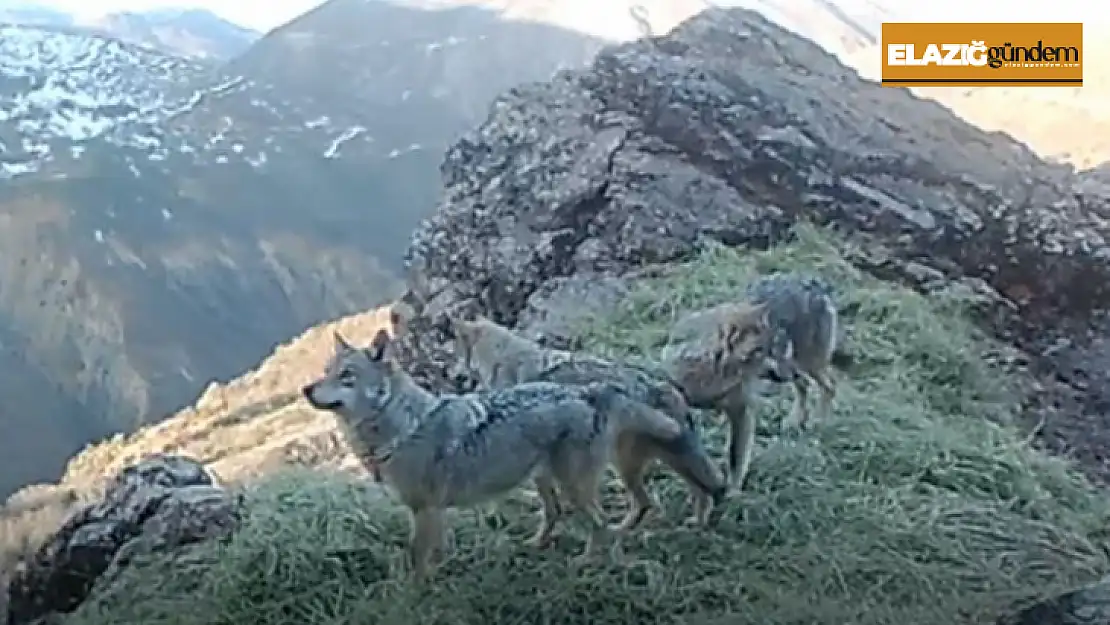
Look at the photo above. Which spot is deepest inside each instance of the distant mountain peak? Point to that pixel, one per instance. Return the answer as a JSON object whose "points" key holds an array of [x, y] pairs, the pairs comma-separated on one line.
{"points": [[181, 31]]}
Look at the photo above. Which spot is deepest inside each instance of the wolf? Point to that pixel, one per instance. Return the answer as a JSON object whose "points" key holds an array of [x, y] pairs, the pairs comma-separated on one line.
{"points": [[502, 358], [717, 356], [785, 326], [452, 451], [804, 328]]}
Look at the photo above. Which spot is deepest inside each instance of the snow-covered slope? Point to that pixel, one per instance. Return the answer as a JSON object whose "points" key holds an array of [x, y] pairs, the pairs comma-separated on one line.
{"points": [[197, 33], [137, 259], [59, 89]]}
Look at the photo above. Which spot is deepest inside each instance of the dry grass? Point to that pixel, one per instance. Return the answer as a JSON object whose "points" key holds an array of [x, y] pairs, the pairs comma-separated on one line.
{"points": [[917, 503], [238, 417]]}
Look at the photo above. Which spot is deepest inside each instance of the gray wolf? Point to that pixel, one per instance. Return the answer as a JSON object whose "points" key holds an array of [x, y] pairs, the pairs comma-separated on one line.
{"points": [[502, 358], [717, 357], [785, 327], [451, 451], [803, 321]]}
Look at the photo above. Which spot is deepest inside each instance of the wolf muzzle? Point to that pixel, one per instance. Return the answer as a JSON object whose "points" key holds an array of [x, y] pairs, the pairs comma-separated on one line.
{"points": [[309, 392]]}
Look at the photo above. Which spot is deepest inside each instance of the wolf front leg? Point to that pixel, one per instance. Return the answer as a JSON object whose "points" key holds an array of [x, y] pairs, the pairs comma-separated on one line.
{"points": [[827, 384], [579, 478], [799, 411], [632, 460], [589, 509], [427, 536], [741, 442], [550, 510]]}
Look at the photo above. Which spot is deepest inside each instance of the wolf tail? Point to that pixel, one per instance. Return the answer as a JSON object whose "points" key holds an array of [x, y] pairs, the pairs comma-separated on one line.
{"points": [[626, 414]]}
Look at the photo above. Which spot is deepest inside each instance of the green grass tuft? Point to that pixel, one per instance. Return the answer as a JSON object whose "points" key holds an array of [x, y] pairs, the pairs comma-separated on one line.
{"points": [[917, 503]]}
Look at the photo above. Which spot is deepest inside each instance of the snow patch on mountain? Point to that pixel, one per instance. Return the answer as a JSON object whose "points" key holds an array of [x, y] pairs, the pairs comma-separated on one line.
{"points": [[59, 87]]}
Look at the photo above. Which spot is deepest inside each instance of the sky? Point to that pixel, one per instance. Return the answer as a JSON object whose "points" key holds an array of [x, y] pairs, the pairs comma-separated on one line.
{"points": [[267, 14], [261, 15]]}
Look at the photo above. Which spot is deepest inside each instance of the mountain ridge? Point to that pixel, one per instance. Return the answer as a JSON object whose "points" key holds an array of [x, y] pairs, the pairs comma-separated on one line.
{"points": [[190, 32]]}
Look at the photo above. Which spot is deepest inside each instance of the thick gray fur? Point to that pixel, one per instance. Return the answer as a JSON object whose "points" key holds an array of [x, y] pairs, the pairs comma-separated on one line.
{"points": [[499, 357], [450, 451], [804, 328]]}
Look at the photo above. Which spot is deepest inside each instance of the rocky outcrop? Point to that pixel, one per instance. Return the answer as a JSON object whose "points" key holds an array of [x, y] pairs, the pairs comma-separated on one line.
{"points": [[732, 129], [161, 502]]}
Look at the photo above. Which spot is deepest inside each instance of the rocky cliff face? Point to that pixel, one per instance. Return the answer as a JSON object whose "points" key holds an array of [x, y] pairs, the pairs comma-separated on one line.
{"points": [[733, 129]]}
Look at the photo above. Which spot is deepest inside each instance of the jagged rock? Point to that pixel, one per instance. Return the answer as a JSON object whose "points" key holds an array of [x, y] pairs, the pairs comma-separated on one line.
{"points": [[732, 128], [556, 308], [161, 502]]}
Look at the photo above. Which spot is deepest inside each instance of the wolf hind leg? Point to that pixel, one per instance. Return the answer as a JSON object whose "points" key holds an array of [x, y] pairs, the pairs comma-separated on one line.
{"points": [[799, 411], [632, 463], [427, 535], [550, 510], [579, 477]]}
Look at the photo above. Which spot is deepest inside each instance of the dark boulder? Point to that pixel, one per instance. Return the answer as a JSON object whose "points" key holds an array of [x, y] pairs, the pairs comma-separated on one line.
{"points": [[161, 502]]}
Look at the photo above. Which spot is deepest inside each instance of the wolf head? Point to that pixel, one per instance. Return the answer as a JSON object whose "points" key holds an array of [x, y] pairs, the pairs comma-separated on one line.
{"points": [[470, 336], [746, 334], [358, 384]]}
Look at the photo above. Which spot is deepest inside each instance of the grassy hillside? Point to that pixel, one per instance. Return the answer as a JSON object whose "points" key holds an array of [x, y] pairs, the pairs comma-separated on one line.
{"points": [[917, 503]]}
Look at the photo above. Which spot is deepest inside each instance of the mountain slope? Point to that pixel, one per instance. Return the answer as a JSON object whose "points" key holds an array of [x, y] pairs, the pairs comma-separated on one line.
{"points": [[842, 27], [166, 223], [388, 86], [194, 33], [187, 32], [138, 261], [32, 13]]}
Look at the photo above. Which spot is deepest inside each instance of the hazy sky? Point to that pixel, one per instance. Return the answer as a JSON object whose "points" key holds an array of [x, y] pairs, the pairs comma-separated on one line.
{"points": [[266, 14], [259, 14]]}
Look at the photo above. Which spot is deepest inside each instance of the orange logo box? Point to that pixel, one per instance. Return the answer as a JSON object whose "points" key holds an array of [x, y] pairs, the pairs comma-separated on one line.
{"points": [[982, 55]]}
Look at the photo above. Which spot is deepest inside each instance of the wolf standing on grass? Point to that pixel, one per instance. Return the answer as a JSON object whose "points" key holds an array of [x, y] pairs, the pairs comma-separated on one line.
{"points": [[450, 451], [785, 327], [502, 358]]}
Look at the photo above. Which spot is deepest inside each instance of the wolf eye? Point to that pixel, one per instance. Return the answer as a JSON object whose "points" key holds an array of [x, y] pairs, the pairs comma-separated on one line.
{"points": [[347, 377]]}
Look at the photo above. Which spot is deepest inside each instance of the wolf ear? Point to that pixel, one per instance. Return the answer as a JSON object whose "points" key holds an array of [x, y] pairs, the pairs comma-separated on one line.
{"points": [[381, 348], [341, 344]]}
